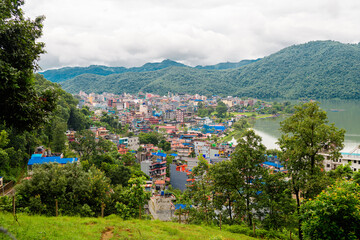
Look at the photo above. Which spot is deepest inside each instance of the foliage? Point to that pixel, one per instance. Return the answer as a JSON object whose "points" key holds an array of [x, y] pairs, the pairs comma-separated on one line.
{"points": [[69, 184], [221, 110], [151, 137], [88, 147], [201, 192], [341, 172], [22, 107], [280, 75], [164, 145], [305, 134], [334, 213], [132, 199], [277, 201], [247, 171]]}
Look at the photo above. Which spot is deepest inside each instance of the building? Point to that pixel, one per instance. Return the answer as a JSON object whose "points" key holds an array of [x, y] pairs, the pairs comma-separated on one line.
{"points": [[41, 159], [158, 169], [352, 158], [180, 176], [180, 115]]}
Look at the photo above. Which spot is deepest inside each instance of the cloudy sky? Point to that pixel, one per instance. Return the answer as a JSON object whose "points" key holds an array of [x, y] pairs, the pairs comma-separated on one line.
{"points": [[195, 32]]}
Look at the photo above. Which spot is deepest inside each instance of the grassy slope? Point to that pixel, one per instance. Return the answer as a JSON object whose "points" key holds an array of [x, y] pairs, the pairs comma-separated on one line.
{"points": [[112, 227]]}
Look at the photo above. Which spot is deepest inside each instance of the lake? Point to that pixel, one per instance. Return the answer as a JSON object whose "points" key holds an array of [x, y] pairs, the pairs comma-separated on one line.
{"points": [[343, 113]]}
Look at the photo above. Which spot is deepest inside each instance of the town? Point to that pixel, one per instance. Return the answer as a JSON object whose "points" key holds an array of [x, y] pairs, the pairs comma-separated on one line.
{"points": [[181, 133]]}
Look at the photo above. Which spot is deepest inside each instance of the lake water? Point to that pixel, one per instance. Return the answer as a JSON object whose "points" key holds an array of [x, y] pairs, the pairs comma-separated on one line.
{"points": [[343, 113]]}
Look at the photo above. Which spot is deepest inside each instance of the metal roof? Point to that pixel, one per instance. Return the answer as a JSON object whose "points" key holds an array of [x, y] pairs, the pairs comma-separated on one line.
{"points": [[56, 159]]}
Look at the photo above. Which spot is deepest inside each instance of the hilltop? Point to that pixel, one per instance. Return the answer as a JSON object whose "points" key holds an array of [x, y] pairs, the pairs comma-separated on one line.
{"points": [[319, 69]]}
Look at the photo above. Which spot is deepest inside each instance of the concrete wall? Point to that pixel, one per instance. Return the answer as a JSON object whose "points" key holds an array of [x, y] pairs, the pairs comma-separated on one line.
{"points": [[145, 167], [161, 208], [177, 179]]}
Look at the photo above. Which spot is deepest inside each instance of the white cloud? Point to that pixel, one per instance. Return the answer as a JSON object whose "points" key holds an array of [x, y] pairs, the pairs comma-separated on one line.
{"points": [[133, 32]]}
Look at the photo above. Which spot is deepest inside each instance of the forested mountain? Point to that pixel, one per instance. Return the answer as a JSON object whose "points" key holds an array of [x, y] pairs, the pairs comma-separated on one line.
{"points": [[319, 69], [227, 65], [62, 74]]}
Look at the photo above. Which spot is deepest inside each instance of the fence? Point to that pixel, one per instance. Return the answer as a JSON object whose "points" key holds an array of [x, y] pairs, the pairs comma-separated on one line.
{"points": [[7, 189]]}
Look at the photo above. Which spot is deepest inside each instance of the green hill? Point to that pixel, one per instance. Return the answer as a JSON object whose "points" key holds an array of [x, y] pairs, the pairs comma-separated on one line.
{"points": [[112, 227], [63, 74], [227, 65], [320, 69]]}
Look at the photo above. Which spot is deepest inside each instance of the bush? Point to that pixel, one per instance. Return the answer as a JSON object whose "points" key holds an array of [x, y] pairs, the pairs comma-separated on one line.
{"points": [[6, 204], [238, 229], [259, 233], [85, 211], [334, 213]]}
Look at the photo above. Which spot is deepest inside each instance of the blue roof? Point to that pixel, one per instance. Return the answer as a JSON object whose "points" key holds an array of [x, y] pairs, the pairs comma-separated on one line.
{"points": [[173, 154], [273, 164], [57, 159], [159, 154], [353, 154], [182, 206]]}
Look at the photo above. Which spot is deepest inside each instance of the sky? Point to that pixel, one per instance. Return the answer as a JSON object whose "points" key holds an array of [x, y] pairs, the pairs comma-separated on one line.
{"points": [[194, 32]]}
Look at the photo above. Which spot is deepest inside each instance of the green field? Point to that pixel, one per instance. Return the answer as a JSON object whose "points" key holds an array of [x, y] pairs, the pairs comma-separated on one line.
{"points": [[112, 227], [250, 114]]}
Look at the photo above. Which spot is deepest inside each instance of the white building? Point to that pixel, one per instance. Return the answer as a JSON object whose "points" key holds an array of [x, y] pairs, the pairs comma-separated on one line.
{"points": [[352, 157]]}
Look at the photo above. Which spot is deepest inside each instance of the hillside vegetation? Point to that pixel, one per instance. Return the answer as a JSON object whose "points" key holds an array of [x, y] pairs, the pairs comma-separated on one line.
{"points": [[321, 69], [112, 227]]}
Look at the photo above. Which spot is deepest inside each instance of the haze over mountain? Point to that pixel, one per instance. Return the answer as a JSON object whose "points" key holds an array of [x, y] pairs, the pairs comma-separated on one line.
{"points": [[319, 69]]}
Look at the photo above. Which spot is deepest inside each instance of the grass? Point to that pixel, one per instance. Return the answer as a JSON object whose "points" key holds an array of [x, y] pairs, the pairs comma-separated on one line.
{"points": [[257, 115], [111, 227]]}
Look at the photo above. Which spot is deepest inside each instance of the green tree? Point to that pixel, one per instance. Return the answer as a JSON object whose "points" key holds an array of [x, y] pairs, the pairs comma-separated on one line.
{"points": [[221, 109], [77, 120], [341, 172], [334, 213], [59, 137], [128, 159], [164, 145], [201, 191], [304, 135], [245, 172], [132, 200], [277, 201], [21, 106], [88, 147], [69, 184], [226, 193], [151, 137]]}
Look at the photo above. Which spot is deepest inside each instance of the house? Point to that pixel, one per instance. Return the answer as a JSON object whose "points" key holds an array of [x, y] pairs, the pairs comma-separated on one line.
{"points": [[180, 176], [39, 158], [351, 157]]}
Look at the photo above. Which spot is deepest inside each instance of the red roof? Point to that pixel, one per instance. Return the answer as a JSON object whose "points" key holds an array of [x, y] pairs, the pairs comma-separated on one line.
{"points": [[159, 182]]}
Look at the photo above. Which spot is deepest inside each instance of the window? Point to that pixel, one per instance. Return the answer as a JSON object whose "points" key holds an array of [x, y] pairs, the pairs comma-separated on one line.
{"points": [[327, 165]]}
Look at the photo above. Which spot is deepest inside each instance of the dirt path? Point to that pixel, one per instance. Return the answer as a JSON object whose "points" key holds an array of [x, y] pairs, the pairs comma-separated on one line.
{"points": [[107, 233]]}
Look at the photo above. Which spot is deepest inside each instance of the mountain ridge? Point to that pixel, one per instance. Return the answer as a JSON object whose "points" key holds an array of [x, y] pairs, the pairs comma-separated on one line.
{"points": [[318, 69], [65, 73]]}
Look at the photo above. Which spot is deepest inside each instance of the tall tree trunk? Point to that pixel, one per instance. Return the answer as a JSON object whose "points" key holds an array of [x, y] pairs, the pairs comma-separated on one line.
{"points": [[297, 192], [229, 208]]}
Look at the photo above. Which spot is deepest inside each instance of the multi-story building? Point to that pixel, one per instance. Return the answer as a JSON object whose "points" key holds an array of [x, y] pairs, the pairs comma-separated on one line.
{"points": [[352, 157], [180, 115]]}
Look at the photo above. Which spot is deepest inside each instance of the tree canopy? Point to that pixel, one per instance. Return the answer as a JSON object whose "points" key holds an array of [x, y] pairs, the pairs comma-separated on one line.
{"points": [[21, 105], [305, 134]]}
